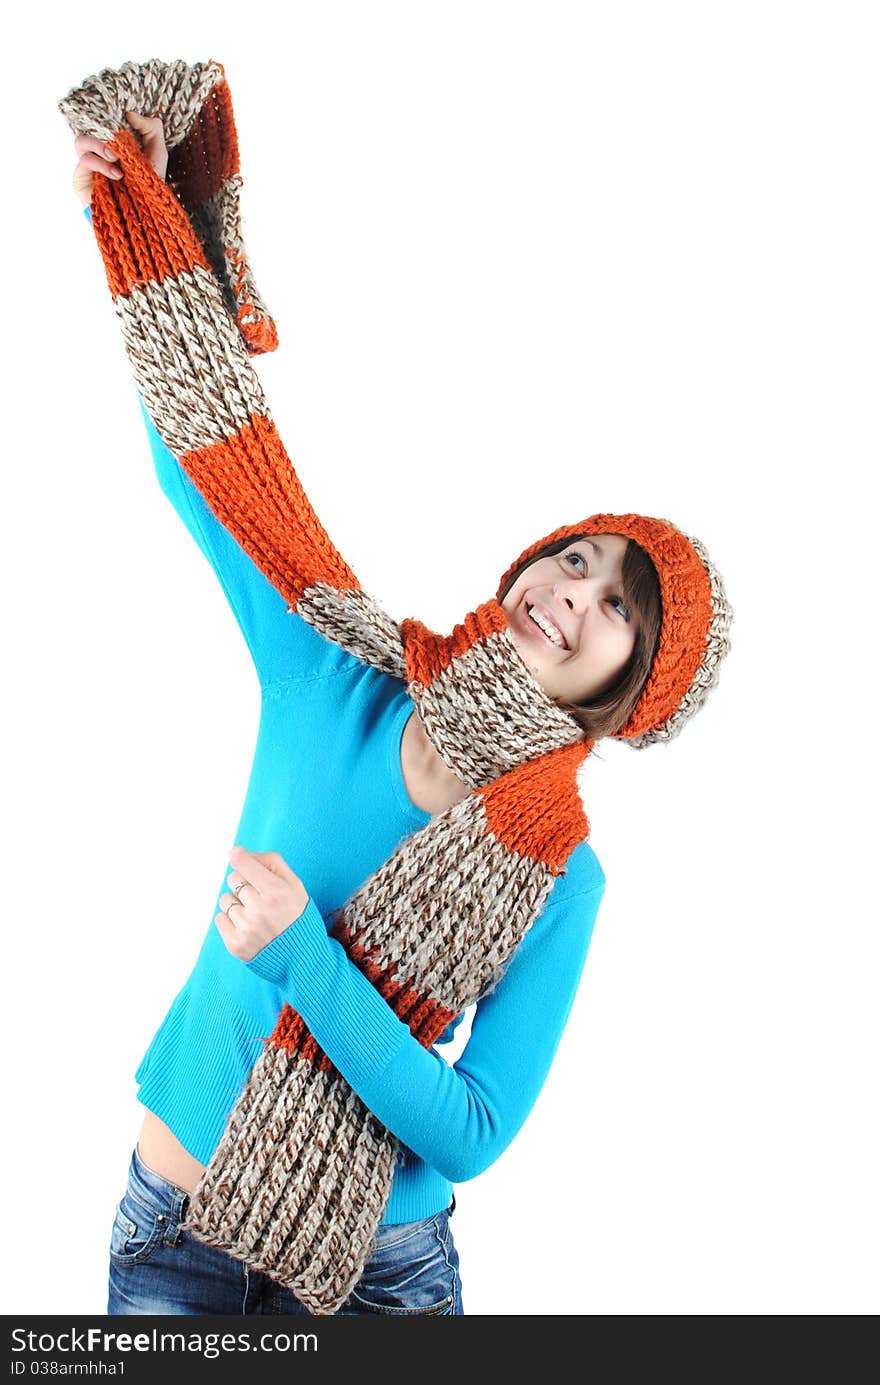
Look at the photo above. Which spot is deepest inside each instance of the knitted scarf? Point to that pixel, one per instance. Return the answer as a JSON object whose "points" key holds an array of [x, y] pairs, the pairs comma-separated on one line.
{"points": [[300, 1178]]}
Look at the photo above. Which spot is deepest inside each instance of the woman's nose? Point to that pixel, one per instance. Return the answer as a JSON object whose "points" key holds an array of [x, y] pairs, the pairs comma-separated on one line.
{"points": [[561, 592]]}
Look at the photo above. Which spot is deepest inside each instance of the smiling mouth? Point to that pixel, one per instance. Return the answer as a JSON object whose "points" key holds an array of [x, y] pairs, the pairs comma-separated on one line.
{"points": [[545, 627]]}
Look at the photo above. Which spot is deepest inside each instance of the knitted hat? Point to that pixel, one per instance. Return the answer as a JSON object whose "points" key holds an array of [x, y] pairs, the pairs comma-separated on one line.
{"points": [[694, 634]]}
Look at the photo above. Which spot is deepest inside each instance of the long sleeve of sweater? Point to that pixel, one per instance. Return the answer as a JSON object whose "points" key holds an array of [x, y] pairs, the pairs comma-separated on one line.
{"points": [[458, 1117]]}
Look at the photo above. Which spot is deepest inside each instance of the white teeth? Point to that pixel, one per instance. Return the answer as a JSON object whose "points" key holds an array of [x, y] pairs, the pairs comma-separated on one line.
{"points": [[544, 624]]}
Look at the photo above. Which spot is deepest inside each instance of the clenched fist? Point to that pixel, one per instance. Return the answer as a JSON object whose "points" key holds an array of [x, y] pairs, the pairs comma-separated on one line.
{"points": [[267, 897]]}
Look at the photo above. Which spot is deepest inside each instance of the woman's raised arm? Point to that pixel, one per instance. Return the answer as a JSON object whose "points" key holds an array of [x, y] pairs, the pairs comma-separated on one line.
{"points": [[282, 644]]}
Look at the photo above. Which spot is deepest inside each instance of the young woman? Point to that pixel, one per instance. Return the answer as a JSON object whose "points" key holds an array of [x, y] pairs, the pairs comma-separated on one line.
{"points": [[349, 765]]}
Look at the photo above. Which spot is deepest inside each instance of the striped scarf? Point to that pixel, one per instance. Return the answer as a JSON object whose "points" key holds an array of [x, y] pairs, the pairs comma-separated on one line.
{"points": [[300, 1178]]}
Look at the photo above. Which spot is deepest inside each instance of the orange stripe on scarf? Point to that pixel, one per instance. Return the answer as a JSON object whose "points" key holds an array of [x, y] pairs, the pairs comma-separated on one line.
{"points": [[536, 809], [273, 521], [138, 224]]}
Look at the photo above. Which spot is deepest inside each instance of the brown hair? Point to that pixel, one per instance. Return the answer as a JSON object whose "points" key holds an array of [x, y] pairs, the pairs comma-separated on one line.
{"points": [[609, 710]]}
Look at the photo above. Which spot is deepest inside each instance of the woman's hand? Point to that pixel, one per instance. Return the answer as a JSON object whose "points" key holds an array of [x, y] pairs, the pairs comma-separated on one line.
{"points": [[267, 898], [97, 157]]}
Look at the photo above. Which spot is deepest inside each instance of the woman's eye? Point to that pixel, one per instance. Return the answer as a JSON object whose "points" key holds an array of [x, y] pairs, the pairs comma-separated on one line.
{"points": [[574, 558]]}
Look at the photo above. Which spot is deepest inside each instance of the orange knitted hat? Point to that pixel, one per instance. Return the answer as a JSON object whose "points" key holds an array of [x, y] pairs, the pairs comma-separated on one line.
{"points": [[694, 633]]}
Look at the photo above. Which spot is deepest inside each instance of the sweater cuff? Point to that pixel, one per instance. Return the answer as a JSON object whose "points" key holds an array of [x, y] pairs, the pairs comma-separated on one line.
{"points": [[352, 1022], [295, 953]]}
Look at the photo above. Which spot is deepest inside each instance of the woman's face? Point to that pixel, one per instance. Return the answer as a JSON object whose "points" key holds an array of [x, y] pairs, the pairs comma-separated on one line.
{"points": [[583, 634]]}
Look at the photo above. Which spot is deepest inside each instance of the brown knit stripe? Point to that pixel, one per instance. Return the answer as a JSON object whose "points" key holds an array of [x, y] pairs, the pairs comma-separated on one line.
{"points": [[357, 1152], [294, 1171], [208, 406], [213, 221], [244, 1130], [191, 368], [217, 223], [288, 1169], [426, 1017], [179, 90], [483, 709], [228, 1180], [336, 1258], [291, 1212], [353, 620], [275, 1157], [469, 900], [486, 712]]}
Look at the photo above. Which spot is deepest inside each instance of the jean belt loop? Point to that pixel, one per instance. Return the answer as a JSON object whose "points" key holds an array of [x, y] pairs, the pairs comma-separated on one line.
{"points": [[173, 1234]]}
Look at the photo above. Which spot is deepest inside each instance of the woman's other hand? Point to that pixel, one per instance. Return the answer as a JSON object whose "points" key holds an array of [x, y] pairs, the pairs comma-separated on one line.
{"points": [[97, 157], [267, 898]]}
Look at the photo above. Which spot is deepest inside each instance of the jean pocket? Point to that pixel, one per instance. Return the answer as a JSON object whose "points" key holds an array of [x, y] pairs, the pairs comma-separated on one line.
{"points": [[138, 1226], [408, 1274]]}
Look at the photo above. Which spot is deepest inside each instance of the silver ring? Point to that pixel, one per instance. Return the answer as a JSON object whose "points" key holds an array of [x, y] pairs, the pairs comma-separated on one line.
{"points": [[232, 906], [240, 886]]}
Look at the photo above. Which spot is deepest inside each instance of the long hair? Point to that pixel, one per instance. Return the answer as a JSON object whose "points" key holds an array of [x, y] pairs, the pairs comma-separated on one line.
{"points": [[609, 710]]}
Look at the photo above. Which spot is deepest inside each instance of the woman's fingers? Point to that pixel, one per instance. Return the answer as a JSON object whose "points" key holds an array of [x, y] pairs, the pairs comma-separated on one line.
{"points": [[94, 157], [89, 164], [227, 931], [251, 869], [263, 869], [90, 144], [226, 900], [95, 163]]}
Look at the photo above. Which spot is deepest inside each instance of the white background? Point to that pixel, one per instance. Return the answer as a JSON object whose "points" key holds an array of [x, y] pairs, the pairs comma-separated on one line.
{"points": [[529, 261]]}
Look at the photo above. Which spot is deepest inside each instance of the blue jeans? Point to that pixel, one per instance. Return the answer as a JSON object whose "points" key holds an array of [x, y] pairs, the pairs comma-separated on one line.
{"points": [[155, 1267]]}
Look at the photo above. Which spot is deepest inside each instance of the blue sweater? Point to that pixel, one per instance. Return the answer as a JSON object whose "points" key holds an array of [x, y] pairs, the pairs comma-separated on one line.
{"points": [[326, 791]]}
